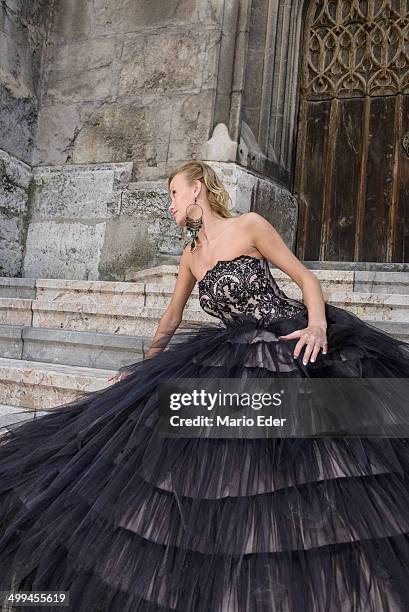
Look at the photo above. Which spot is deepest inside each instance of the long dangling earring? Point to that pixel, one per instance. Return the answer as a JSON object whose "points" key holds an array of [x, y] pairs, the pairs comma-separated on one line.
{"points": [[193, 226]]}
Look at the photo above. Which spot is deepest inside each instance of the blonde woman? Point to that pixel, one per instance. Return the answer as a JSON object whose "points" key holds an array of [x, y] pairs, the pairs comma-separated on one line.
{"points": [[95, 500]]}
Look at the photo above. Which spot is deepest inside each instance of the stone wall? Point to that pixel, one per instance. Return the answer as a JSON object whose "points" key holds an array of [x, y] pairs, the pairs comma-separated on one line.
{"points": [[129, 81], [125, 92], [23, 31]]}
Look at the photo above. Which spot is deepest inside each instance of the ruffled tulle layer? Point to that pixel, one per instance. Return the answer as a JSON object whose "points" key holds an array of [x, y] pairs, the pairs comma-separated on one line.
{"points": [[93, 501]]}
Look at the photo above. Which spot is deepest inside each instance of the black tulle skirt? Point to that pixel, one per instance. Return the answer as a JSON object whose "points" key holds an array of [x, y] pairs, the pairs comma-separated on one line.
{"points": [[94, 502]]}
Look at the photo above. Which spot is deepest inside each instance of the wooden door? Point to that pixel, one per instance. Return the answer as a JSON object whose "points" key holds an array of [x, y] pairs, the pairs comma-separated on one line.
{"points": [[352, 164]]}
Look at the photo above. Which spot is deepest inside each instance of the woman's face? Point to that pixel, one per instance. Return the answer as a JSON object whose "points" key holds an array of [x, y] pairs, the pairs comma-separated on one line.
{"points": [[181, 196]]}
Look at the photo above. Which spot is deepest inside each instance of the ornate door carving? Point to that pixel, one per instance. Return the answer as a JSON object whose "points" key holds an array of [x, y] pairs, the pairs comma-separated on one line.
{"points": [[352, 167]]}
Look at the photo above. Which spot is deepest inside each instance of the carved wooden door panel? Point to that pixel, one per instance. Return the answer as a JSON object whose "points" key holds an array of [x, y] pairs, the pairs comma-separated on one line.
{"points": [[352, 167]]}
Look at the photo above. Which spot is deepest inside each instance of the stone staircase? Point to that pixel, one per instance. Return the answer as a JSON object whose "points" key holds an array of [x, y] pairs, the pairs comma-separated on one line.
{"points": [[60, 338], [378, 296]]}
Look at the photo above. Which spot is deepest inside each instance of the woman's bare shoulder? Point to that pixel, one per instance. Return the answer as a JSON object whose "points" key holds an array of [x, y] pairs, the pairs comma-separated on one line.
{"points": [[247, 218], [252, 217]]}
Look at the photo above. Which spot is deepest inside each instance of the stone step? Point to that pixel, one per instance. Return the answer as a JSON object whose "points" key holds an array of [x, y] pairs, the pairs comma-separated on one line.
{"points": [[143, 321], [55, 289], [373, 307], [92, 292], [15, 414], [42, 385], [99, 350], [15, 311], [167, 275], [397, 330], [106, 318], [148, 284], [126, 319], [153, 275], [377, 266], [331, 280], [11, 344], [310, 264], [17, 287], [159, 295], [381, 282], [71, 347]]}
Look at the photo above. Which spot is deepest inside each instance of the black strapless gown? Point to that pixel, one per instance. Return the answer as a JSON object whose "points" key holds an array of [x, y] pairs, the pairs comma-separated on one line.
{"points": [[93, 501]]}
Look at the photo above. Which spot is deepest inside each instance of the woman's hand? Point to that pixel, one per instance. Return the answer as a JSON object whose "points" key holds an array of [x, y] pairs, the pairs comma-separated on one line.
{"points": [[314, 337], [119, 376]]}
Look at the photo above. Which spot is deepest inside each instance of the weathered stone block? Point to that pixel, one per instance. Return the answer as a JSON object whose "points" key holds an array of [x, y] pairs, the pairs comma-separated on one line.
{"points": [[15, 179], [114, 132], [11, 343], [22, 33], [81, 71], [15, 311], [90, 292], [131, 16], [144, 234], [63, 249], [70, 192], [160, 57], [42, 385], [91, 350], [17, 287], [72, 21], [58, 128], [70, 208]]}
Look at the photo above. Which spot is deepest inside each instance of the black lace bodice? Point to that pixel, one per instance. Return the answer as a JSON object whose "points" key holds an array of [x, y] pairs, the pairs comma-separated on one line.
{"points": [[243, 289]]}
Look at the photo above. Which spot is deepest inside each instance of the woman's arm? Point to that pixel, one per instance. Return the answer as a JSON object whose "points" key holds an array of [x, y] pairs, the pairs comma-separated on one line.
{"points": [[270, 244], [172, 316], [164, 332]]}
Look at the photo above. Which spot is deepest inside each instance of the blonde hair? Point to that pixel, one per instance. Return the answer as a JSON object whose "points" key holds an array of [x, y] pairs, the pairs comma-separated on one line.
{"points": [[217, 195]]}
